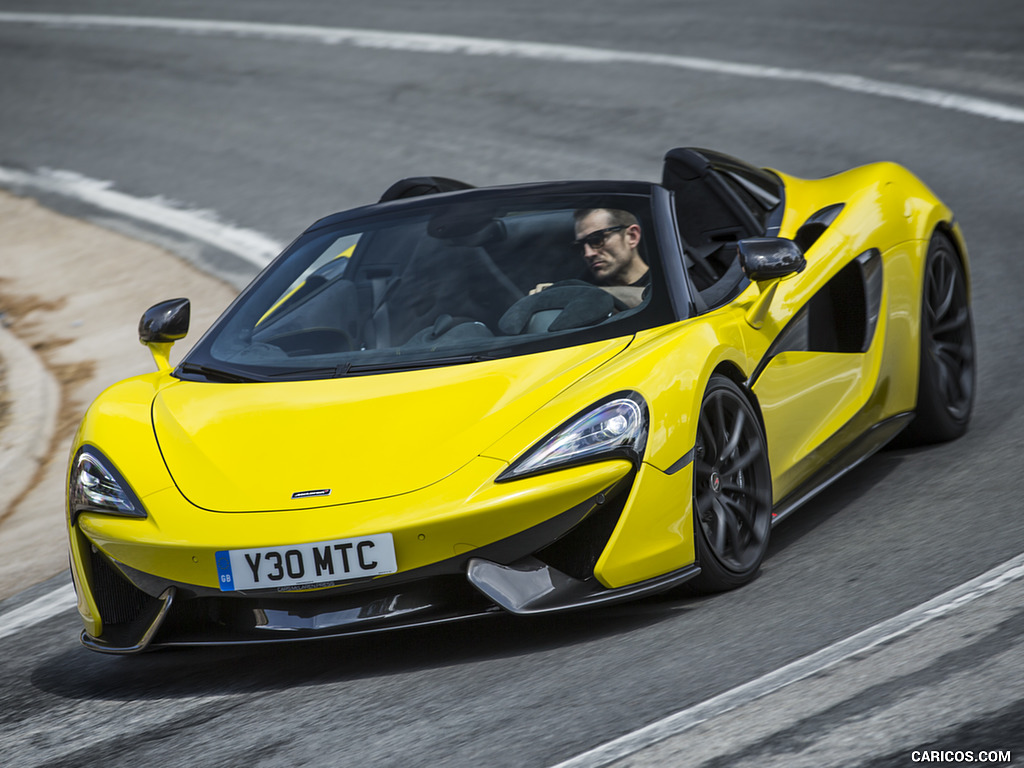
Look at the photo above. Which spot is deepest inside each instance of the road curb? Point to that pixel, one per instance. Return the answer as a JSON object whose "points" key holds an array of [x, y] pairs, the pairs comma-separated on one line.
{"points": [[34, 398]]}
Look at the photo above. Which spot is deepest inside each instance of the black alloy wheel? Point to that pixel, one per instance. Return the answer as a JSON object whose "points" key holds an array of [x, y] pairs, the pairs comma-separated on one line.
{"points": [[946, 378], [732, 498]]}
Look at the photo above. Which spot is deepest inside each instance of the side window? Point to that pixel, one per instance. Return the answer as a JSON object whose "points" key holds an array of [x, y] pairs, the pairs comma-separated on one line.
{"points": [[710, 225], [754, 194], [716, 204], [705, 216]]}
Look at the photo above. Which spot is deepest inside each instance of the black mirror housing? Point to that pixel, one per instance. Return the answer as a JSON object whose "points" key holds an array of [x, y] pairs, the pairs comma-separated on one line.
{"points": [[165, 322], [769, 258]]}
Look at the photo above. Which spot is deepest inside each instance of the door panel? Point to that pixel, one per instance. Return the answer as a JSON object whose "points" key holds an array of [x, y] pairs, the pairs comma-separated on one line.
{"points": [[805, 398], [820, 370]]}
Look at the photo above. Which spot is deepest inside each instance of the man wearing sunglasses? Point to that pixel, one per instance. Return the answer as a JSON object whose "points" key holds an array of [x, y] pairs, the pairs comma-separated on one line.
{"points": [[608, 239]]}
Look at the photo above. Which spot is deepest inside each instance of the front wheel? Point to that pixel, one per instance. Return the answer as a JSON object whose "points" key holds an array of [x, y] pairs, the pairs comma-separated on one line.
{"points": [[732, 497]]}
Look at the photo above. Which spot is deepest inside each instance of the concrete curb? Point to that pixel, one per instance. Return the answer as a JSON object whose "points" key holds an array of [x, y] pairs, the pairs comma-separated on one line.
{"points": [[75, 337], [34, 398]]}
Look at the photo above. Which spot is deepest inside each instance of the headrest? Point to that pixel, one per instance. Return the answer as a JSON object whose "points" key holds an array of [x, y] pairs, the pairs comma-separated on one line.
{"points": [[415, 186]]}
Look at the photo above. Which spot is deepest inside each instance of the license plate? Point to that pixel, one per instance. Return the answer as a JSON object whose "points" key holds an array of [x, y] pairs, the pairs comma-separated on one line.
{"points": [[300, 565]]}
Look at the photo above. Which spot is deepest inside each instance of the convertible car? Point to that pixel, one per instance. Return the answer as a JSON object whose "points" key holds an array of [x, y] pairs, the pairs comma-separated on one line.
{"points": [[448, 404]]}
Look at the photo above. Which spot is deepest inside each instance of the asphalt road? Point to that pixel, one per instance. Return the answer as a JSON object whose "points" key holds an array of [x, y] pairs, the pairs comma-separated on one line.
{"points": [[273, 133]]}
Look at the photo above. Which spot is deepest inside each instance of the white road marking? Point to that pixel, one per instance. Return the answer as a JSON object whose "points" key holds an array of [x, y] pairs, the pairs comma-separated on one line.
{"points": [[946, 603], [477, 46], [40, 609], [203, 226]]}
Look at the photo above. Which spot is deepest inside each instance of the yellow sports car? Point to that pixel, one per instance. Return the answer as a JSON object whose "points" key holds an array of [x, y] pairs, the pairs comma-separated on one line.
{"points": [[459, 402]]}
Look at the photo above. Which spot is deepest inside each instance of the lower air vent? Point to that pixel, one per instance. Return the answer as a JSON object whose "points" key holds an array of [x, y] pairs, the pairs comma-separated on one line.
{"points": [[576, 553], [118, 601]]}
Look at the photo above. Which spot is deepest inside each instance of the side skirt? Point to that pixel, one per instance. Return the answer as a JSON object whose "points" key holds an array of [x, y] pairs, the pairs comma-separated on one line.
{"points": [[861, 449]]}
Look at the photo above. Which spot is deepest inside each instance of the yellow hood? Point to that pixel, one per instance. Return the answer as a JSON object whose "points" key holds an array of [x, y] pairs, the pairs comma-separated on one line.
{"points": [[250, 447]]}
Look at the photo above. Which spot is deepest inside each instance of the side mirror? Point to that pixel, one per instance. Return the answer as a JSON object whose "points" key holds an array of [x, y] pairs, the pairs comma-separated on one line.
{"points": [[165, 322], [766, 260], [769, 258], [162, 325]]}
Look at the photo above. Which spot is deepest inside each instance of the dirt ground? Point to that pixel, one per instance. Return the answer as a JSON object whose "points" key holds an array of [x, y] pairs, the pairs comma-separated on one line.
{"points": [[73, 293]]}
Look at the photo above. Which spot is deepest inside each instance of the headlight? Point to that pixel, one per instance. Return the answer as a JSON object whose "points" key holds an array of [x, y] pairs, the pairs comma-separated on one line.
{"points": [[95, 486], [614, 427]]}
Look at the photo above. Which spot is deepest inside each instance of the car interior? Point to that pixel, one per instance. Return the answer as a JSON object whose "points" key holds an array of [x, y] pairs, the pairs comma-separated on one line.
{"points": [[464, 274], [458, 280]]}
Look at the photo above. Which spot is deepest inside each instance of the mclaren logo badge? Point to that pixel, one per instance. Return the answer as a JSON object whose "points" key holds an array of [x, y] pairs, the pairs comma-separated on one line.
{"points": [[307, 494]]}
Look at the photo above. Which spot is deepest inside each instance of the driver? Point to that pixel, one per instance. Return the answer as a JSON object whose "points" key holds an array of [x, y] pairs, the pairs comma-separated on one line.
{"points": [[608, 239]]}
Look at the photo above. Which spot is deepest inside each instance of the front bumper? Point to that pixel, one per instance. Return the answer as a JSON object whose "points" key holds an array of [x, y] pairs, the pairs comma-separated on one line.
{"points": [[547, 567]]}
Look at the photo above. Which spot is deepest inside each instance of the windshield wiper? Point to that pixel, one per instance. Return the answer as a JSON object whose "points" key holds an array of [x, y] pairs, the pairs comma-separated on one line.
{"points": [[406, 365], [215, 374], [345, 369], [313, 373]]}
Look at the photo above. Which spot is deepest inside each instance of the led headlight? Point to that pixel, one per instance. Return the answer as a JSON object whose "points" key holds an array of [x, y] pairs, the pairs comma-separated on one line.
{"points": [[614, 427], [95, 486]]}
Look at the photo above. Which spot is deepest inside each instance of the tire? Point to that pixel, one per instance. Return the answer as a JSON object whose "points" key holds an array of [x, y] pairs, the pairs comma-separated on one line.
{"points": [[947, 371], [732, 498]]}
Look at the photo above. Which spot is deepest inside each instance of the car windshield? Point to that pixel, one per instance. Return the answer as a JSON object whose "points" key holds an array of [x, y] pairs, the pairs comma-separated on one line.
{"points": [[462, 278]]}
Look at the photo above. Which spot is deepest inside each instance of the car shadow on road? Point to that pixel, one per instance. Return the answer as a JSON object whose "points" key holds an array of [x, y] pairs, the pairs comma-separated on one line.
{"points": [[185, 672]]}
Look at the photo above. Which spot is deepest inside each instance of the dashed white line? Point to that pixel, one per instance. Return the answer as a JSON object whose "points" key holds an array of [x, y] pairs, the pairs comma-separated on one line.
{"points": [[479, 46], [199, 225], [944, 604]]}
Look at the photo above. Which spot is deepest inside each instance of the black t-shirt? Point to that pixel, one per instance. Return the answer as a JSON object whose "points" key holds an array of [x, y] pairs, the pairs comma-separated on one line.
{"points": [[643, 281]]}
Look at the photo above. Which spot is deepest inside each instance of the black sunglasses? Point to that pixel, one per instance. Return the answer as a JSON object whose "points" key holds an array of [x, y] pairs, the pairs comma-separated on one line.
{"points": [[596, 238]]}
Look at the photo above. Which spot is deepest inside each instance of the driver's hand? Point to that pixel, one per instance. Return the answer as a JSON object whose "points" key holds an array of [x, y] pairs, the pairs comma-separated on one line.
{"points": [[540, 287]]}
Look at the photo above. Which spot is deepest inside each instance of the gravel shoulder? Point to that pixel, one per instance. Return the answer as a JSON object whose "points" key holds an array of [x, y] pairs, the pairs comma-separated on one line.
{"points": [[71, 294]]}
